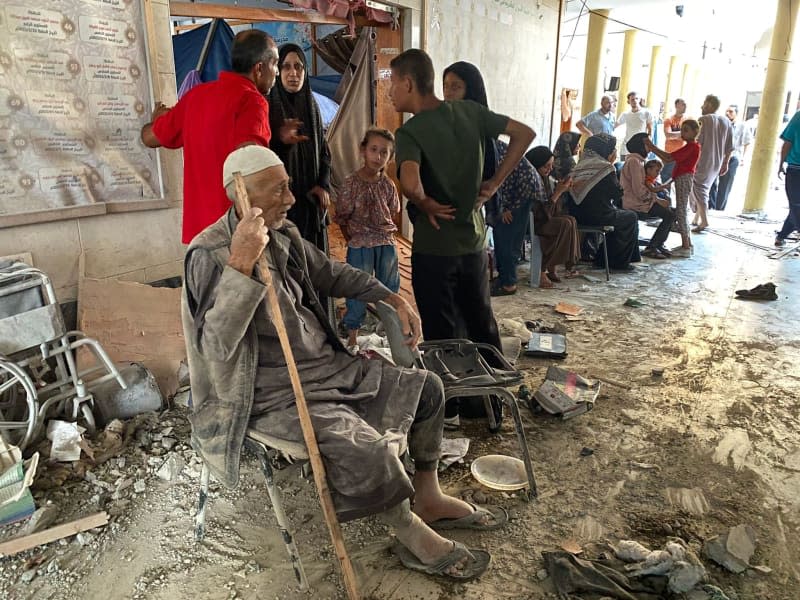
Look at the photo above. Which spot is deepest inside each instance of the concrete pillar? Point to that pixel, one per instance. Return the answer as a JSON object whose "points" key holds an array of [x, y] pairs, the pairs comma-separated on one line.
{"points": [[628, 53], [697, 94], [655, 81], [592, 70], [770, 115], [685, 78], [672, 85]]}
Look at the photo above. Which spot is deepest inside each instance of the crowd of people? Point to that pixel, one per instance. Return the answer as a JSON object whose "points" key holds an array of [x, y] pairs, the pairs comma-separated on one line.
{"points": [[260, 121]]}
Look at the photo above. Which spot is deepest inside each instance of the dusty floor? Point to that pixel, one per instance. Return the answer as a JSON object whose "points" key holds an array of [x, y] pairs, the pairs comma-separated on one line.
{"points": [[721, 427]]}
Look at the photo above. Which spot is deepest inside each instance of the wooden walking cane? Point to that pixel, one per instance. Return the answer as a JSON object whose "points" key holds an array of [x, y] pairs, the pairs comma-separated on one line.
{"points": [[318, 468]]}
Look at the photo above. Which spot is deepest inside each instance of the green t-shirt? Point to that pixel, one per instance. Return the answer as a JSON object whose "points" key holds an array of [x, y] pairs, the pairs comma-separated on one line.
{"points": [[447, 143]]}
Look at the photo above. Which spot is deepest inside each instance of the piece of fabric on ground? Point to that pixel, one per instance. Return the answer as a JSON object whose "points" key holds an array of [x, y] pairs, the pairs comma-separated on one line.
{"points": [[594, 579]]}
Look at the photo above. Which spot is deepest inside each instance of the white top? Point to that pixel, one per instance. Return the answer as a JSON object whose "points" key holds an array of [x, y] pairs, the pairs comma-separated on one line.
{"points": [[635, 122]]}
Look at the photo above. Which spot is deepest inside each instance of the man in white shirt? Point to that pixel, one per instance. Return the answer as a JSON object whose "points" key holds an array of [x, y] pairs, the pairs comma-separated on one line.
{"points": [[637, 120], [742, 138]]}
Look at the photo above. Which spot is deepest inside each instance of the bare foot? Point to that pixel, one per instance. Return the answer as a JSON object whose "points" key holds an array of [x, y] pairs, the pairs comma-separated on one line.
{"points": [[544, 281], [427, 545]]}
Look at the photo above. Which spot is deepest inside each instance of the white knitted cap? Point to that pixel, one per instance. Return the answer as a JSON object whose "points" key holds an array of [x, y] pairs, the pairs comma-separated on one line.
{"points": [[248, 160]]}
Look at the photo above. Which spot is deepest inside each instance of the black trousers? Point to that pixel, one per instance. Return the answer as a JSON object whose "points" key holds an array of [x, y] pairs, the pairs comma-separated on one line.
{"points": [[667, 216], [454, 299]]}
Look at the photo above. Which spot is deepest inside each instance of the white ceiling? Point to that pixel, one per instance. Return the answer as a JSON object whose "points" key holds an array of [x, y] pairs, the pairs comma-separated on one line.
{"points": [[740, 27]]}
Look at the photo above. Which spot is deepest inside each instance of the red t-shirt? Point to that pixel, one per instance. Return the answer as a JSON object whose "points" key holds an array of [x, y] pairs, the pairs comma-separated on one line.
{"points": [[686, 159], [209, 123]]}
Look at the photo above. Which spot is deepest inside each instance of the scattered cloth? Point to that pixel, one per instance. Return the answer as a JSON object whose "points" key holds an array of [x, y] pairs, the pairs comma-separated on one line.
{"points": [[572, 575], [634, 303]]}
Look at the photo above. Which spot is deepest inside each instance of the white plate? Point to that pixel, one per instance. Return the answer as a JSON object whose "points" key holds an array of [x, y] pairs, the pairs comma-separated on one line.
{"points": [[500, 472]]}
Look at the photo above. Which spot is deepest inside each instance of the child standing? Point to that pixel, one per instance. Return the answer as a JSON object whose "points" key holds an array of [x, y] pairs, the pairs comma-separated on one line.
{"points": [[652, 169], [685, 160], [364, 212]]}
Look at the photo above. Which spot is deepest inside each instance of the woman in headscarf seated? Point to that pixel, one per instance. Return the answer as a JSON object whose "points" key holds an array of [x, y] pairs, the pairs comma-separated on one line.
{"points": [[557, 231], [567, 146], [638, 197], [596, 192]]}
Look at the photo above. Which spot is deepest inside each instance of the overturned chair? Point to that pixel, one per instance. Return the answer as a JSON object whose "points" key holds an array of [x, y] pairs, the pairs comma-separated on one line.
{"points": [[464, 372]]}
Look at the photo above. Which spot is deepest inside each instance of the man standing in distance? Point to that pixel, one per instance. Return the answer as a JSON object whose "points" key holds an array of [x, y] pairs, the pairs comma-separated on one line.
{"points": [[214, 119], [439, 158], [598, 121], [718, 196], [716, 145], [636, 120]]}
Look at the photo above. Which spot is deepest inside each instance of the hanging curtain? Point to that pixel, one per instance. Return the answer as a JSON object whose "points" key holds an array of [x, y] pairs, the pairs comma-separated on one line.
{"points": [[356, 111]]}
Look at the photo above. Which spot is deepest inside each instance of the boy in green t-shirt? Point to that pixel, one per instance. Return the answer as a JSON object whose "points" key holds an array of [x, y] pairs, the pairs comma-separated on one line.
{"points": [[439, 156]]}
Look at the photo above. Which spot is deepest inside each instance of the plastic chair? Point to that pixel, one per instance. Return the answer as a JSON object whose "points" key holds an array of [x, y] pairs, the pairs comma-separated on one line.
{"points": [[536, 256]]}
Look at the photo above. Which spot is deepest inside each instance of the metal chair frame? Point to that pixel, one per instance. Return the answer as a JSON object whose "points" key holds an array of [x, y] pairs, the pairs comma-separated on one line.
{"points": [[35, 343], [602, 230]]}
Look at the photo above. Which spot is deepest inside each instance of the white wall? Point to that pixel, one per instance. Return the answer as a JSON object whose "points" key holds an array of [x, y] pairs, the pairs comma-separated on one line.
{"points": [[513, 44], [140, 246]]}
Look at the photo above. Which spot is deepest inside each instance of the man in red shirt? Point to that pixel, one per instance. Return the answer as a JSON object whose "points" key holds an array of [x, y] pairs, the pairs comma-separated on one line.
{"points": [[214, 119]]}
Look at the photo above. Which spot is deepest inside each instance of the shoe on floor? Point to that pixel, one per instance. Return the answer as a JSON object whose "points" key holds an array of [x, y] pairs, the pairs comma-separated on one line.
{"points": [[663, 249], [682, 252], [763, 291], [653, 253], [780, 242], [499, 290]]}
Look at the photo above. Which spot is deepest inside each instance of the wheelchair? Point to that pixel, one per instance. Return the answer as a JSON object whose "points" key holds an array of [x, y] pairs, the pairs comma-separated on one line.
{"points": [[40, 377]]}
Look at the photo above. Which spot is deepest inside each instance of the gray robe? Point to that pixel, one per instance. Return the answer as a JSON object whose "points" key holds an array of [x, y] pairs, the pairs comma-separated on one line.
{"points": [[362, 410]]}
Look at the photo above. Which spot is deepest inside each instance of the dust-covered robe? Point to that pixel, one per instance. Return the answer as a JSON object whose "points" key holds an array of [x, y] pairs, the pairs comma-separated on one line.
{"points": [[362, 410]]}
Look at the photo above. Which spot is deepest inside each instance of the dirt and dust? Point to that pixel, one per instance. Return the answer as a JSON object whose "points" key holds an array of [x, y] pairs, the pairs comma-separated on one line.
{"points": [[710, 444]]}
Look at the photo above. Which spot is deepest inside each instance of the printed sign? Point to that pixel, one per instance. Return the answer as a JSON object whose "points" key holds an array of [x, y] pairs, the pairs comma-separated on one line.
{"points": [[73, 88]]}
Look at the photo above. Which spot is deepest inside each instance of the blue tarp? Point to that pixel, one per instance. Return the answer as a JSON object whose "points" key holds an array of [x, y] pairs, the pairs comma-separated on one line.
{"points": [[187, 47]]}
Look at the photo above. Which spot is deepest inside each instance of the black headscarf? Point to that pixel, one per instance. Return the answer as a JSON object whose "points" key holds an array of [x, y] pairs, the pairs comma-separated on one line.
{"points": [[601, 143], [636, 145], [307, 163], [539, 156], [475, 90]]}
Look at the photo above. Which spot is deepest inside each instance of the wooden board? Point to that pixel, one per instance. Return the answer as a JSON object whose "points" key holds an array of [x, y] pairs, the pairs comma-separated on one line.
{"points": [[135, 323], [54, 533]]}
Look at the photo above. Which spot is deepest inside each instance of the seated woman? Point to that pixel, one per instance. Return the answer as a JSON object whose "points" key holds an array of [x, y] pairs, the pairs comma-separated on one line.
{"points": [[558, 232], [637, 196], [595, 190], [567, 146]]}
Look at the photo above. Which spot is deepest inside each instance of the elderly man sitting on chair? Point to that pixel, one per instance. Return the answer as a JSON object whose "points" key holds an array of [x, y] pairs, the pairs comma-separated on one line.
{"points": [[363, 411]]}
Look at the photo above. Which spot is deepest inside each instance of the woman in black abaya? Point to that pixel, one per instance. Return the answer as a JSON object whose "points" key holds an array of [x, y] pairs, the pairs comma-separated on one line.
{"points": [[307, 162]]}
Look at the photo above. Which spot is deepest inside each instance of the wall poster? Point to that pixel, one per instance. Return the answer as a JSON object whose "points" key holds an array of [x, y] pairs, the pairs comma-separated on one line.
{"points": [[74, 87]]}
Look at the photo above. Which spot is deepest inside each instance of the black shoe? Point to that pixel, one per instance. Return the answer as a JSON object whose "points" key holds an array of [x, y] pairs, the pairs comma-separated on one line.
{"points": [[499, 290], [763, 291], [665, 251], [653, 253]]}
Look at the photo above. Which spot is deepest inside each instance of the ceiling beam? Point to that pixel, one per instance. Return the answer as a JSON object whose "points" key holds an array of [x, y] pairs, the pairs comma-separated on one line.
{"points": [[224, 11]]}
